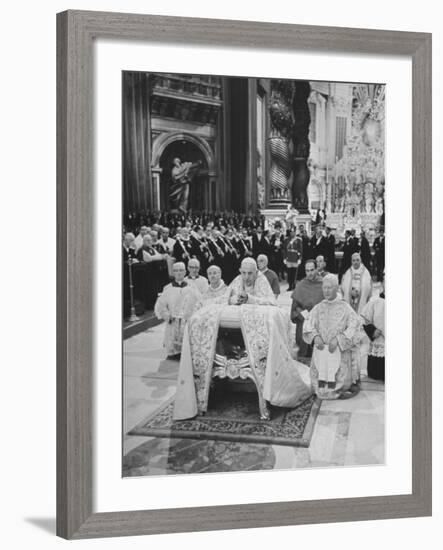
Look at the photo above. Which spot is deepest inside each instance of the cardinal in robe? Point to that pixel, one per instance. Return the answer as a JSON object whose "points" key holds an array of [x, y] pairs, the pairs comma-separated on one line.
{"points": [[334, 329], [306, 295], [174, 306]]}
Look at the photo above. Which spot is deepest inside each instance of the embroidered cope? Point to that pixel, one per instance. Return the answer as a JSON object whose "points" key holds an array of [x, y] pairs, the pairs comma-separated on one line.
{"points": [[329, 320]]}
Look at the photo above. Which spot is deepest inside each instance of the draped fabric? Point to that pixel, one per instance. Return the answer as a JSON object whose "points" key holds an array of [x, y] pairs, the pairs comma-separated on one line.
{"points": [[136, 143], [267, 334]]}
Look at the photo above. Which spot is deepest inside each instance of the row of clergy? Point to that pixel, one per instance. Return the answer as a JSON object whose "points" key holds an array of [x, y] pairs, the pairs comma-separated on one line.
{"points": [[335, 329]]}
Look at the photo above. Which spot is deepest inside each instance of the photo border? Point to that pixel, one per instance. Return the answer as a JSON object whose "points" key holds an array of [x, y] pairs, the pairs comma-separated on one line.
{"points": [[76, 32]]}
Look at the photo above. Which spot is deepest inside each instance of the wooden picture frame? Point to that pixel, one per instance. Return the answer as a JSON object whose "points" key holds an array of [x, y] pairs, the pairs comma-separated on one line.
{"points": [[76, 32]]}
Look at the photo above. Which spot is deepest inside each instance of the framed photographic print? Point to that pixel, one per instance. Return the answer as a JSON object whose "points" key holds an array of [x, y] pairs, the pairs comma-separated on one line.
{"points": [[244, 274]]}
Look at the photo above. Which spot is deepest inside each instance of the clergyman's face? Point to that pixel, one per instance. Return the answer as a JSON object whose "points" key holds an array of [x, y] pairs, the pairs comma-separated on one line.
{"points": [[310, 271], [194, 268], [261, 264], [329, 290], [356, 262], [320, 263], [214, 276], [179, 273], [249, 274]]}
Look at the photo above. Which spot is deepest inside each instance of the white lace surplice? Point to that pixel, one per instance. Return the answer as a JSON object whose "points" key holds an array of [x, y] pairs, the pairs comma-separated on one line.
{"points": [[175, 306]]}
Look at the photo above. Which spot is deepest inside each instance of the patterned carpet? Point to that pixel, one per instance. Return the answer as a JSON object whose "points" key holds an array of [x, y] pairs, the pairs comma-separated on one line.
{"points": [[234, 416]]}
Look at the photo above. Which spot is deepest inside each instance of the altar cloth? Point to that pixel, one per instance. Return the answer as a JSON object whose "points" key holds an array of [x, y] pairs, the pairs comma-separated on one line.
{"points": [[269, 339]]}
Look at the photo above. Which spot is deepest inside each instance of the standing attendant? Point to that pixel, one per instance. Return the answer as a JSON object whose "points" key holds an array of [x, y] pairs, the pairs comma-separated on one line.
{"points": [[293, 252], [277, 246], [379, 247], [330, 250], [365, 251]]}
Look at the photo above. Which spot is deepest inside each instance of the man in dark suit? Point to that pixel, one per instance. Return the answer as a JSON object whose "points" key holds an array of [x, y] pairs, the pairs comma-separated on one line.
{"points": [[306, 253], [244, 244], [318, 243], [350, 246], [365, 251], [260, 243], [379, 247], [276, 260], [183, 248], [330, 251]]}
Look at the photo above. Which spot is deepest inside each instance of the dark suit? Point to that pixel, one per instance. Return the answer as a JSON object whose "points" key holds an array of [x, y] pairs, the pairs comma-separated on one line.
{"points": [[276, 260], [183, 250], [306, 255], [262, 246], [365, 253], [330, 253], [318, 247], [351, 245], [379, 247]]}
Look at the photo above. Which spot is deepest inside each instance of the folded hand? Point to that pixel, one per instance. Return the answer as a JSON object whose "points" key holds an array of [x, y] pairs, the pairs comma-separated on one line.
{"points": [[333, 345], [318, 342]]}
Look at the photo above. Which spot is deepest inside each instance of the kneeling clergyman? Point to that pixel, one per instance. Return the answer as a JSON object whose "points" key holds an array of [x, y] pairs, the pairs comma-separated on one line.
{"points": [[194, 278], [335, 329], [216, 289], [175, 306]]}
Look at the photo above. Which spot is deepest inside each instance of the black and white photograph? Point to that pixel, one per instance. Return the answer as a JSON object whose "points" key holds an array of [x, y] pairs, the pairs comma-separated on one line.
{"points": [[253, 274]]}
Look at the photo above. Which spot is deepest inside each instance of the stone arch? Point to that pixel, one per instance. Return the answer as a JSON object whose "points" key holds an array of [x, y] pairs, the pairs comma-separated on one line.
{"points": [[165, 139]]}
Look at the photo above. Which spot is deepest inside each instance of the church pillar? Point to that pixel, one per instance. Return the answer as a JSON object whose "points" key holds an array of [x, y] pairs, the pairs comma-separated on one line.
{"points": [[301, 144], [278, 142], [156, 173]]}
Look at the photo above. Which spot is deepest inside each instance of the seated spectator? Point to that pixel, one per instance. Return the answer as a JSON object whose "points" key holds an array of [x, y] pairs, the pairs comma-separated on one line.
{"points": [[147, 253], [138, 242]]}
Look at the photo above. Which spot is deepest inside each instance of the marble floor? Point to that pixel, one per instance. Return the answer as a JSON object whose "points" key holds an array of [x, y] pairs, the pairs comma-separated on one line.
{"points": [[346, 433]]}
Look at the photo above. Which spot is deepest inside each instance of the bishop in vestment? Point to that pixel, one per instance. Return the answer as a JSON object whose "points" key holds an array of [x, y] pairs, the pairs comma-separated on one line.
{"points": [[335, 330]]}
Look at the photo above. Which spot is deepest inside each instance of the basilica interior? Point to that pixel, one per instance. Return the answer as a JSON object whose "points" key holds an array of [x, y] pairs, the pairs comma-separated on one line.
{"points": [[262, 145]]}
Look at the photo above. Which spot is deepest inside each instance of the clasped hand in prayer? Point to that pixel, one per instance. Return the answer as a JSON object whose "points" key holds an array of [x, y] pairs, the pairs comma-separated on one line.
{"points": [[319, 344], [242, 298]]}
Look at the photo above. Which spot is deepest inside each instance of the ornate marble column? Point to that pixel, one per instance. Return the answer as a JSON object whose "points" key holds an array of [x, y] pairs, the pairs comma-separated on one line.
{"points": [[281, 124], [301, 146]]}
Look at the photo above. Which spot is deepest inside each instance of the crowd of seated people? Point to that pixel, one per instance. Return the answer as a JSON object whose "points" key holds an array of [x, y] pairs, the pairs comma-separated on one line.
{"points": [[154, 241]]}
